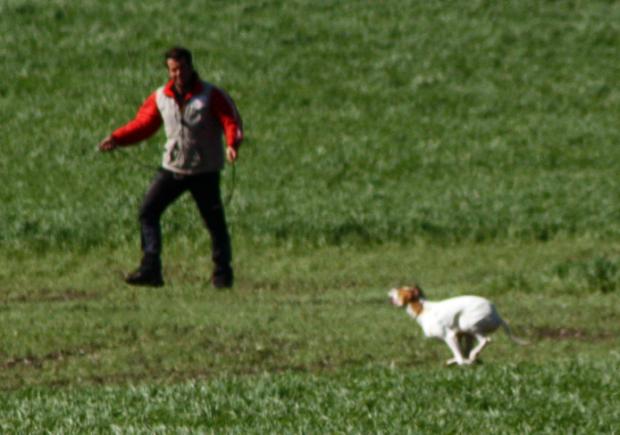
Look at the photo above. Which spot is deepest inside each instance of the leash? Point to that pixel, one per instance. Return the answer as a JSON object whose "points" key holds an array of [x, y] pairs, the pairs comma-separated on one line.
{"points": [[231, 191]]}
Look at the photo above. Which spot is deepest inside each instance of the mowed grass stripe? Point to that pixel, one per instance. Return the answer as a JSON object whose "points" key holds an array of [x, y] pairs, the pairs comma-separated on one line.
{"points": [[522, 398]]}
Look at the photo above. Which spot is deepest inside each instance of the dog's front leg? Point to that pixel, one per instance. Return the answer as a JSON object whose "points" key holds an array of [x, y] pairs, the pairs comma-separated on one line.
{"points": [[453, 343]]}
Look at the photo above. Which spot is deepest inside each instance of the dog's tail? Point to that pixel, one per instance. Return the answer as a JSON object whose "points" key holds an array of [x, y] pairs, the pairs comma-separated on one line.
{"points": [[508, 332]]}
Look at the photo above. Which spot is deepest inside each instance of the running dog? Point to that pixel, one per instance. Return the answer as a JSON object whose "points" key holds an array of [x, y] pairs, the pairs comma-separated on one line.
{"points": [[457, 321]]}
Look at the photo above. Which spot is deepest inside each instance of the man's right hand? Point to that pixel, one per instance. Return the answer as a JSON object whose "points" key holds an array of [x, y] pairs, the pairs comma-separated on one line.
{"points": [[108, 144]]}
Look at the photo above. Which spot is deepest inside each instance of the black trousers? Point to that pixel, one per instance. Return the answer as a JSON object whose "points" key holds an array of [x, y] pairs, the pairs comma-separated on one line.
{"points": [[167, 187]]}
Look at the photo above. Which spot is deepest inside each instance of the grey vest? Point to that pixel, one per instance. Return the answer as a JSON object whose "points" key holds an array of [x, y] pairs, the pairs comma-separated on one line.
{"points": [[194, 134]]}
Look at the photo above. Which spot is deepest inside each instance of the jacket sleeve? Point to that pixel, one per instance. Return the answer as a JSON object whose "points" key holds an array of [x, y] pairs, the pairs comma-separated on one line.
{"points": [[146, 122], [223, 107]]}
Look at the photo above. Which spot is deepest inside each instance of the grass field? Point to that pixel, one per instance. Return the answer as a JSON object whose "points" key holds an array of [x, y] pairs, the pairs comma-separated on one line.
{"points": [[472, 147]]}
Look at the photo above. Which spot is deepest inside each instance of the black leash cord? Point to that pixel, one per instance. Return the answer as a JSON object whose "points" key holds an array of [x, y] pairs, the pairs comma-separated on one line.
{"points": [[231, 191]]}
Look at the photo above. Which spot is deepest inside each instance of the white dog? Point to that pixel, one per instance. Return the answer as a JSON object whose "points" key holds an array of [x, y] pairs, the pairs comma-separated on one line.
{"points": [[454, 320]]}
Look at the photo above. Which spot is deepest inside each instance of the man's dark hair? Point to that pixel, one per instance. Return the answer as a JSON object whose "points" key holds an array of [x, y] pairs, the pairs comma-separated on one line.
{"points": [[178, 54]]}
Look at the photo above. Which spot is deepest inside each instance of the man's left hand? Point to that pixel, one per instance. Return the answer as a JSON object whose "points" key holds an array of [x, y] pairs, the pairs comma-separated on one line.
{"points": [[231, 154]]}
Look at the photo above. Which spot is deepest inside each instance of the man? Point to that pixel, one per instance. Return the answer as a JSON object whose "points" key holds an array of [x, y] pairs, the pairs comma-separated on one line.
{"points": [[195, 115]]}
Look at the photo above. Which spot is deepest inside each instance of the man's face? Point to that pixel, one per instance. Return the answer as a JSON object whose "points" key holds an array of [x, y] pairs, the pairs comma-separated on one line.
{"points": [[179, 72]]}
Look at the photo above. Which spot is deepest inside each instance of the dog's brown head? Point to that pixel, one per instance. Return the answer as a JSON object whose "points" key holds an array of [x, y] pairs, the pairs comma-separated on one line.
{"points": [[403, 296]]}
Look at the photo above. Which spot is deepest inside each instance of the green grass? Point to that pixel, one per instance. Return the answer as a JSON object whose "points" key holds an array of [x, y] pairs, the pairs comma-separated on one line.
{"points": [[366, 122], [472, 147], [512, 398], [73, 322]]}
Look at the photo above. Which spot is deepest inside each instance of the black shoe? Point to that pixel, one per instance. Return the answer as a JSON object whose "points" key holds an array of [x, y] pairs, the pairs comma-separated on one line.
{"points": [[145, 278], [148, 274], [222, 278]]}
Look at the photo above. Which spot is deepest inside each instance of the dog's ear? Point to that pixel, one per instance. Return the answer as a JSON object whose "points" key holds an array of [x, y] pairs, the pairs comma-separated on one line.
{"points": [[410, 293], [417, 291]]}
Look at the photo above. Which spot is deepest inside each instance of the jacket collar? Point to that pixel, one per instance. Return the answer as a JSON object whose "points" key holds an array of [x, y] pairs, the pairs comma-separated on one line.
{"points": [[197, 88]]}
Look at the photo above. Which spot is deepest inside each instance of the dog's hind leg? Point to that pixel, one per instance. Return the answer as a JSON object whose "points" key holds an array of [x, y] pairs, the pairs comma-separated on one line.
{"points": [[482, 343], [466, 343]]}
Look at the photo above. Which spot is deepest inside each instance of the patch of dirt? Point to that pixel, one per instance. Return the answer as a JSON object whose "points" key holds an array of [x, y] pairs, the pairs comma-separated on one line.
{"points": [[37, 361], [47, 295]]}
